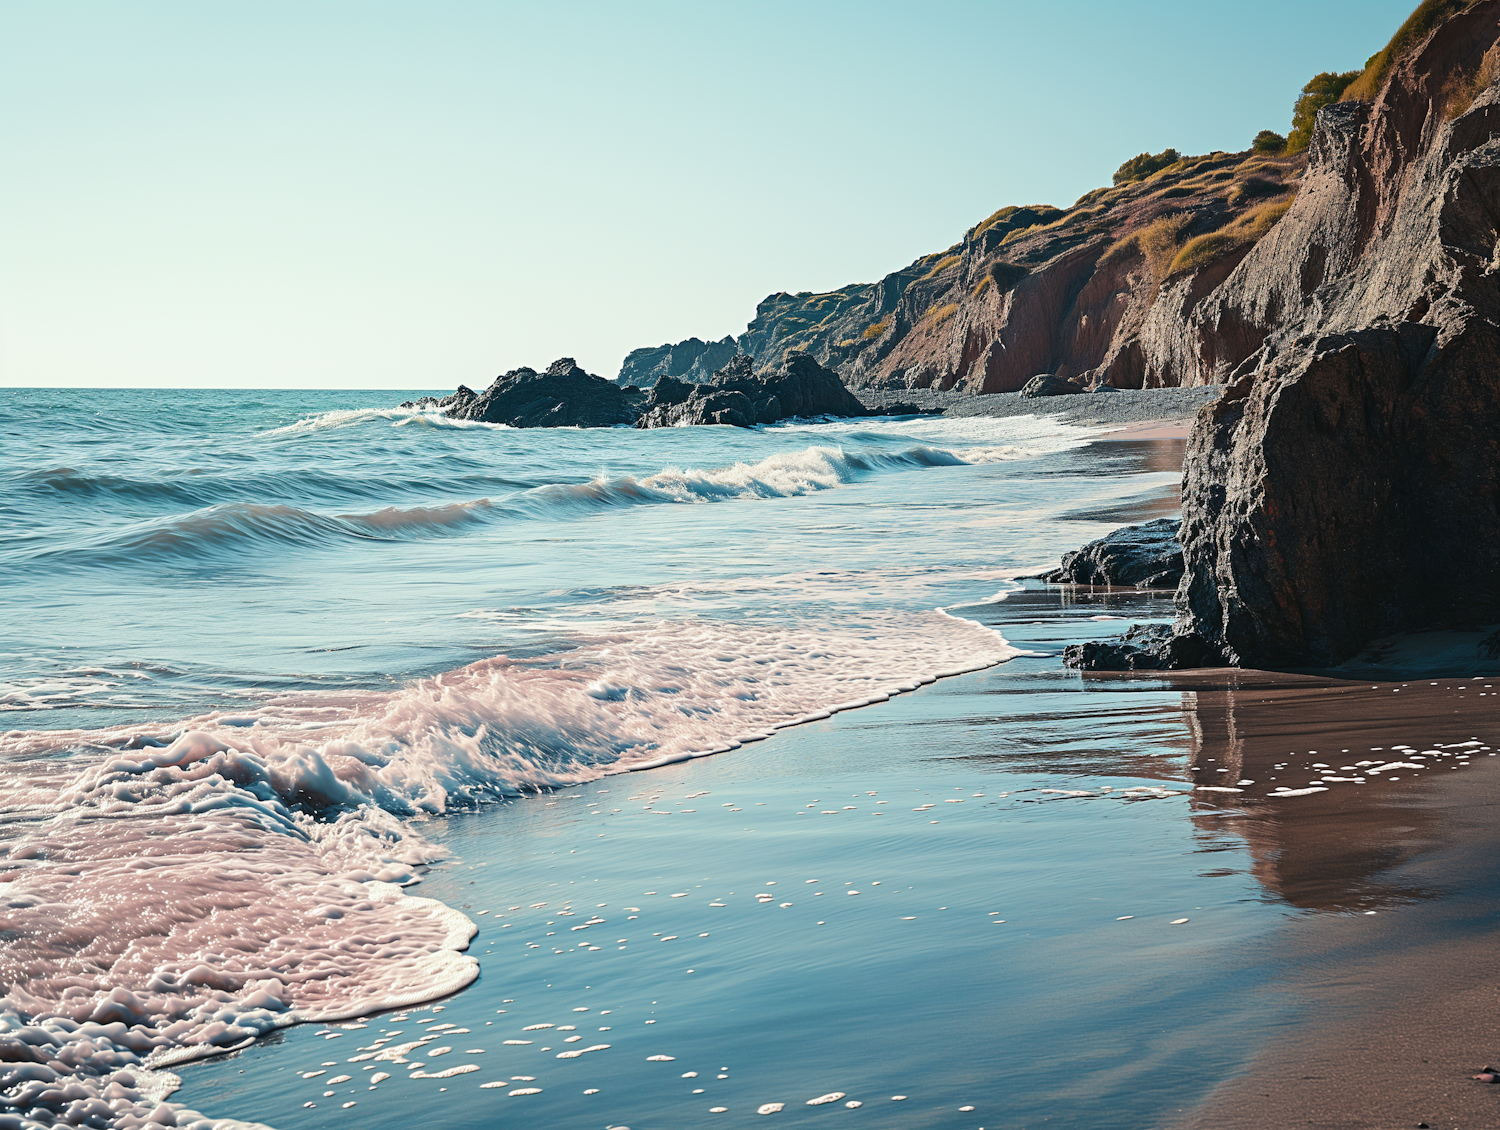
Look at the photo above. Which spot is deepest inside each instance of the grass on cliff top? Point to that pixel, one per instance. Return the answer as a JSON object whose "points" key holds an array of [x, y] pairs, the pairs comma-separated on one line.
{"points": [[1427, 17], [1460, 90], [1157, 243]]}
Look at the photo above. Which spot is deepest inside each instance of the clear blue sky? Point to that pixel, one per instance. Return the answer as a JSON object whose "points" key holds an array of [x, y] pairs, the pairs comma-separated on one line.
{"points": [[412, 195]]}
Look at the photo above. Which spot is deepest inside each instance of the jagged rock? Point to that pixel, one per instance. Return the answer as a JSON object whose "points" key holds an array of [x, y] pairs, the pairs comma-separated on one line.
{"points": [[1347, 492], [742, 398], [1347, 484], [563, 397], [1045, 384], [462, 397], [1147, 556], [906, 408], [1145, 647], [693, 360]]}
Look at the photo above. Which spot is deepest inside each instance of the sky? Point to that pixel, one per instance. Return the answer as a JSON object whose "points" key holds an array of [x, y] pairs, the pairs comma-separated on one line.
{"points": [[323, 194]]}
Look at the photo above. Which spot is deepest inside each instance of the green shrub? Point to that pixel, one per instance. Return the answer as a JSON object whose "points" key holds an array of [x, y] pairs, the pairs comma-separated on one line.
{"points": [[1142, 165], [1268, 141], [1007, 275], [1321, 90]]}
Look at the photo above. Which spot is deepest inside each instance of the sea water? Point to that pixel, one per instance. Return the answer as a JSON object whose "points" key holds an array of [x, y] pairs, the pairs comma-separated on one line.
{"points": [[271, 658]]}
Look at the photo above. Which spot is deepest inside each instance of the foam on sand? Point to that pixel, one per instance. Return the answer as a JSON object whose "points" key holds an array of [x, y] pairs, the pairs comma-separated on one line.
{"points": [[174, 894]]}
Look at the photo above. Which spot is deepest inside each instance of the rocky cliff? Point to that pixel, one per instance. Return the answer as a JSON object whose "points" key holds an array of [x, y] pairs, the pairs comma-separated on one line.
{"points": [[1094, 292], [693, 360], [1347, 483]]}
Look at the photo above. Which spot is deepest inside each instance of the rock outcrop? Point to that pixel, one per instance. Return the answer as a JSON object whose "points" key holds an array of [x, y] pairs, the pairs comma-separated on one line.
{"points": [[562, 397], [694, 361], [460, 398], [1347, 484], [1146, 556], [1045, 384], [736, 395]]}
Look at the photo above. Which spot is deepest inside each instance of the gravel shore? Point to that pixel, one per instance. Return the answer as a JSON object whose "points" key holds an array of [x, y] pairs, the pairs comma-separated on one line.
{"points": [[1120, 406]]}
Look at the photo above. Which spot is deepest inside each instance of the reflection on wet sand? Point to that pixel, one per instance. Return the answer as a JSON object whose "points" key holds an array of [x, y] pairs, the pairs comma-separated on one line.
{"points": [[1236, 738], [1328, 850]]}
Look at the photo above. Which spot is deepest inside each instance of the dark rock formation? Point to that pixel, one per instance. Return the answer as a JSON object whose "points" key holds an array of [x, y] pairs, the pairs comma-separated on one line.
{"points": [[693, 360], [737, 396], [1145, 647], [1147, 556], [563, 397], [1045, 384], [462, 397], [1347, 484]]}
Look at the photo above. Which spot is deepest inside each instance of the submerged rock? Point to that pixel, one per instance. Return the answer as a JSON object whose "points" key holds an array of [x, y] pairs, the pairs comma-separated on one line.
{"points": [[742, 398], [464, 395], [563, 397], [1147, 556]]}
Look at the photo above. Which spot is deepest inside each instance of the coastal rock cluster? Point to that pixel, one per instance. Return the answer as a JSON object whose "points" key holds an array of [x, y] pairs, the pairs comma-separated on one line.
{"points": [[565, 396], [738, 396]]}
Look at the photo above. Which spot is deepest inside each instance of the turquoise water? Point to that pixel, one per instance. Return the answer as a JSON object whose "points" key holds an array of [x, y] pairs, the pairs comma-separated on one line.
{"points": [[322, 614]]}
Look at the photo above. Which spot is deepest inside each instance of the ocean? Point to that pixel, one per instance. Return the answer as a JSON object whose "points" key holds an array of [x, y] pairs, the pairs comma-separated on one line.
{"points": [[741, 756]]}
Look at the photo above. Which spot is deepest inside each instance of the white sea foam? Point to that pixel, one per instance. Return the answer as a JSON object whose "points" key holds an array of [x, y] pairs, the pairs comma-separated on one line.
{"points": [[171, 895], [353, 417]]}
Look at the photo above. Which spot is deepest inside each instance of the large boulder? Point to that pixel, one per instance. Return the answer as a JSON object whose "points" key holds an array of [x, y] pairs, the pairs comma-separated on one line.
{"points": [[563, 397], [738, 396], [1147, 556], [1046, 384], [1348, 492], [1346, 486]]}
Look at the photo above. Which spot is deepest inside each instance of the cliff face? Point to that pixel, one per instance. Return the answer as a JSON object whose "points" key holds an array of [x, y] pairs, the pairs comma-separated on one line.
{"points": [[692, 360], [1348, 483], [1095, 292]]}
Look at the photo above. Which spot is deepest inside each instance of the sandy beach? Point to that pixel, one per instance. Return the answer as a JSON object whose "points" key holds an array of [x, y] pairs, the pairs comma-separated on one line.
{"points": [[1392, 961]]}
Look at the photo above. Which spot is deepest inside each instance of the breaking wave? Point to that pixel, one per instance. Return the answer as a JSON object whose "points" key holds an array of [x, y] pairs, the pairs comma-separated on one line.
{"points": [[237, 873]]}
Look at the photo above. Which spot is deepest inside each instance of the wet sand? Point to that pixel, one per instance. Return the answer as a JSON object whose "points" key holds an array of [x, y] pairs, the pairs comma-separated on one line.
{"points": [[1398, 1005]]}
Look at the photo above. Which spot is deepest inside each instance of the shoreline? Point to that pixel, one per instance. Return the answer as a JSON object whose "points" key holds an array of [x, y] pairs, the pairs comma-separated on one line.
{"points": [[1124, 408]]}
